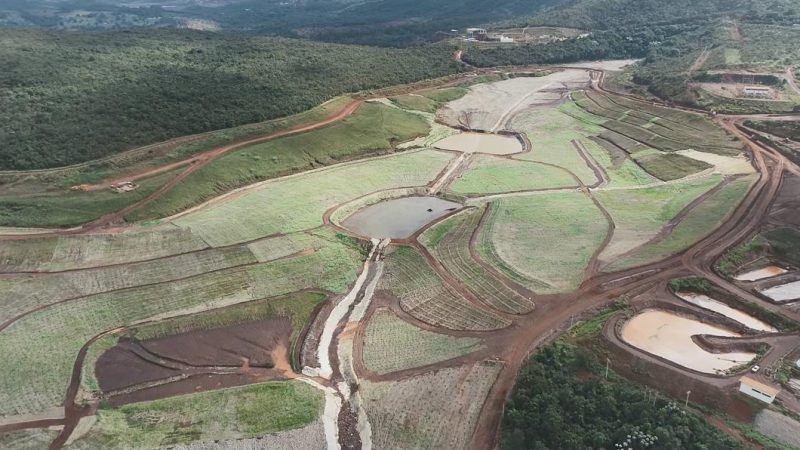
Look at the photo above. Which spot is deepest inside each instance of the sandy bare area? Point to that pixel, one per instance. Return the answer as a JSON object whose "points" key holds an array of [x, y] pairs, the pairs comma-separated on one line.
{"points": [[669, 336], [488, 106], [495, 144], [726, 165], [760, 274], [709, 303]]}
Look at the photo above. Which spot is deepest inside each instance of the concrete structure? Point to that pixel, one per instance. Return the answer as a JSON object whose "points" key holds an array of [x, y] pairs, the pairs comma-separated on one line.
{"points": [[757, 389], [757, 91], [125, 186], [478, 34]]}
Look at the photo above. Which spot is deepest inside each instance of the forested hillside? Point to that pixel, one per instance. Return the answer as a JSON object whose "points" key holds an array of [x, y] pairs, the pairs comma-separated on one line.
{"points": [[72, 97], [394, 23]]}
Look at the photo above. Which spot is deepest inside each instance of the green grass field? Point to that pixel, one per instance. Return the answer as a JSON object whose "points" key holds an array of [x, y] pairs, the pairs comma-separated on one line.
{"points": [[551, 132], [669, 166], [423, 295], [639, 214], [37, 378], [699, 222], [91, 250], [65, 208], [233, 413], [547, 239], [24, 292], [32, 439], [374, 128], [298, 203], [391, 344], [490, 175], [445, 95], [416, 102]]}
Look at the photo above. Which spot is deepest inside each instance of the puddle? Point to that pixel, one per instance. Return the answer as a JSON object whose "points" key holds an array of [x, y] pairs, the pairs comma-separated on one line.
{"points": [[398, 218], [709, 303], [784, 292], [495, 144], [760, 274], [670, 336]]}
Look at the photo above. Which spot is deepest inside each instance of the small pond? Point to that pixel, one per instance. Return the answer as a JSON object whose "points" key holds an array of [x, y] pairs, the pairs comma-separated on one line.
{"points": [[398, 218]]}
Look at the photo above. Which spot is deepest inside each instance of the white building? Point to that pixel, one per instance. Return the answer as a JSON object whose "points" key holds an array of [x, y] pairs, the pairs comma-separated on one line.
{"points": [[757, 91], [757, 389]]}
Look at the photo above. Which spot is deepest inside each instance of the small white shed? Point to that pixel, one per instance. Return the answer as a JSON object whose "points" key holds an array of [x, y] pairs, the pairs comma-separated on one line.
{"points": [[757, 389]]}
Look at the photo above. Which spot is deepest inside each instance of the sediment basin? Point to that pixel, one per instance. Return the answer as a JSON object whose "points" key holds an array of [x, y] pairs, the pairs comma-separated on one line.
{"points": [[784, 292], [669, 336], [496, 144], [398, 218], [710, 304], [760, 274]]}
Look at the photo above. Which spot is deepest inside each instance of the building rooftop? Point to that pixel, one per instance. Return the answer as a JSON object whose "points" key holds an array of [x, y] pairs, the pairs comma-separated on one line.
{"points": [[765, 388]]}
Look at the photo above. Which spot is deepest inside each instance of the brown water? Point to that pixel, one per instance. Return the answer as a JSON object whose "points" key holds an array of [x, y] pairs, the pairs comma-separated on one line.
{"points": [[495, 144], [398, 218], [669, 336]]}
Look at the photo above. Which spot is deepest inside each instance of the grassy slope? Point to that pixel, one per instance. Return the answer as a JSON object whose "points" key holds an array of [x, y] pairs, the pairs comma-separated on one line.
{"points": [[70, 325], [232, 413], [298, 203], [69, 208], [621, 169], [639, 214], [135, 88], [373, 128], [550, 132], [488, 175], [391, 344], [546, 239], [453, 251], [424, 295], [700, 221]]}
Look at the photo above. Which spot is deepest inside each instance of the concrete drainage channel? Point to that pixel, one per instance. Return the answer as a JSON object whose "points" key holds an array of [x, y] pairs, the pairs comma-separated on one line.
{"points": [[345, 421]]}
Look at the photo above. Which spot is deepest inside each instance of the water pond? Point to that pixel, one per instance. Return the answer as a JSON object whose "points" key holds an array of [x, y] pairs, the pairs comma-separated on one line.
{"points": [[669, 336], [398, 218]]}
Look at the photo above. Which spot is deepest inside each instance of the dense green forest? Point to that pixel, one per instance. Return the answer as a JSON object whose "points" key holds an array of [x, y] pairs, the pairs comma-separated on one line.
{"points": [[562, 401], [380, 22], [72, 97]]}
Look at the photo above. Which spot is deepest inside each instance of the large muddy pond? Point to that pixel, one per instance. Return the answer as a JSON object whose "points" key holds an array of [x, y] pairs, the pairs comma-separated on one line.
{"points": [[669, 336], [398, 218], [709, 303], [495, 144]]}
